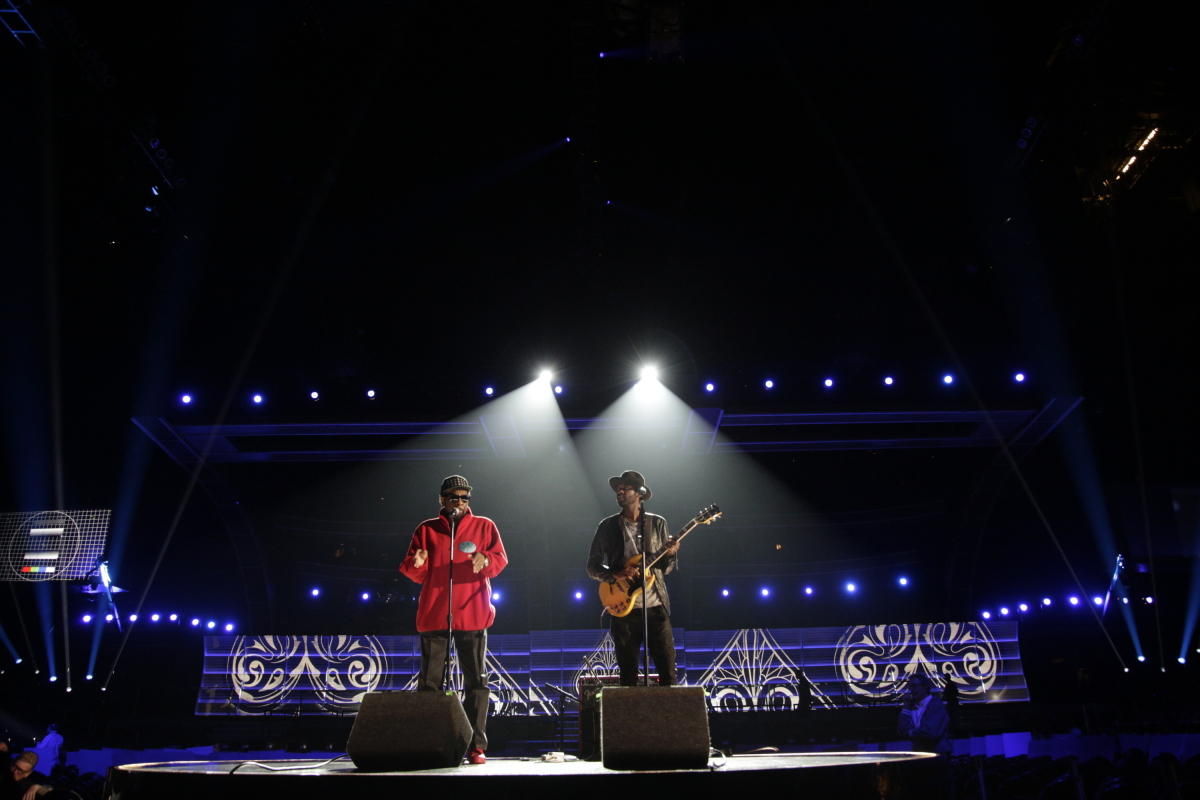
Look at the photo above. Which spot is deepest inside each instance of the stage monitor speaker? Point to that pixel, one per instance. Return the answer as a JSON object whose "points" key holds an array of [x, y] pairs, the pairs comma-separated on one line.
{"points": [[409, 730], [654, 727]]}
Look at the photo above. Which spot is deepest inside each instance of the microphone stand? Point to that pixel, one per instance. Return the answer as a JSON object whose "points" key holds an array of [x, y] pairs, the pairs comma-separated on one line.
{"points": [[446, 684], [645, 594]]}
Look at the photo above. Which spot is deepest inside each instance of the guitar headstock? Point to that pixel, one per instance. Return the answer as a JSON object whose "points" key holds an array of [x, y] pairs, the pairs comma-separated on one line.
{"points": [[708, 515]]}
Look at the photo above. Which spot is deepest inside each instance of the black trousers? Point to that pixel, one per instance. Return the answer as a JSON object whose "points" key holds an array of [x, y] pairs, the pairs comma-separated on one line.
{"points": [[471, 647], [627, 645]]}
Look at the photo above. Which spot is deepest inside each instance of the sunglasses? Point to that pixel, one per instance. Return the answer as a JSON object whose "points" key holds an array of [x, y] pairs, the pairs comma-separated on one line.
{"points": [[462, 498]]}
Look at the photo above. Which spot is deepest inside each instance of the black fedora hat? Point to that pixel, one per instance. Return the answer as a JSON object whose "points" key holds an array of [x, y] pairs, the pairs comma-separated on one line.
{"points": [[631, 478]]}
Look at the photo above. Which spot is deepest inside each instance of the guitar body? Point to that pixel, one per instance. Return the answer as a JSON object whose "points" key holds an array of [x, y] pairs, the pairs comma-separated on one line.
{"points": [[621, 596]]}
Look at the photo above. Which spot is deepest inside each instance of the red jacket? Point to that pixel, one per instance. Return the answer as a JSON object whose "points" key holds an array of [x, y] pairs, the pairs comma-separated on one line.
{"points": [[473, 609]]}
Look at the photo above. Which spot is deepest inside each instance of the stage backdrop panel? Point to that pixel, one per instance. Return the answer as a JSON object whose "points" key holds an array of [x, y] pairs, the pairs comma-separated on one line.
{"points": [[742, 670]]}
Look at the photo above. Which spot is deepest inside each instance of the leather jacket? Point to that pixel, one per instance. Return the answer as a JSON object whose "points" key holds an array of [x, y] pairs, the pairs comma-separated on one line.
{"points": [[607, 555]]}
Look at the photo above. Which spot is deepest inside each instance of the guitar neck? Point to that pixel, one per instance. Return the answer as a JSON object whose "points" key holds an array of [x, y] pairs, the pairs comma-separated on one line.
{"points": [[691, 526]]}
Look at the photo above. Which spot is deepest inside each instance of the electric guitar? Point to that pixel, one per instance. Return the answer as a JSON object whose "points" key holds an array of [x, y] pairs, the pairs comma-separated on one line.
{"points": [[620, 596]]}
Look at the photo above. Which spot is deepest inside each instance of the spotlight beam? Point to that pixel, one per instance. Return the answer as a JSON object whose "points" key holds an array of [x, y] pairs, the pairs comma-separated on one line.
{"points": [[24, 628]]}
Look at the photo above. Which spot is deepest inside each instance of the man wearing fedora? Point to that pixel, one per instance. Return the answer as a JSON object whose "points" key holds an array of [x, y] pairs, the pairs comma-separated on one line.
{"points": [[477, 558], [618, 538]]}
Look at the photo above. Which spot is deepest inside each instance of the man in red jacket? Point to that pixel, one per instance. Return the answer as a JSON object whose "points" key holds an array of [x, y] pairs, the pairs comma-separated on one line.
{"points": [[478, 557]]}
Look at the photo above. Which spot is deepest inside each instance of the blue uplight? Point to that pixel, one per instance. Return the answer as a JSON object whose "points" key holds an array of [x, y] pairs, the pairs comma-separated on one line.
{"points": [[87, 617], [195, 622], [257, 398], [489, 391], [602, 55], [1045, 601], [187, 398], [155, 617], [769, 384], [371, 393], [903, 581], [1023, 607], [314, 395], [496, 596], [1019, 377], [766, 592], [850, 587], [808, 590], [1004, 611], [579, 595], [211, 624], [228, 627], [709, 387], [1074, 601], [366, 595], [828, 382], [316, 592], [558, 389], [173, 617], [1098, 601], [987, 615], [947, 379], [724, 593], [888, 381]]}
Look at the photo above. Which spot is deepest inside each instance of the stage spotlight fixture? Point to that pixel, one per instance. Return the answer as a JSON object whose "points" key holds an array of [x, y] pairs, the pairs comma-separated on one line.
{"points": [[87, 617], [987, 615], [187, 398], [195, 622], [724, 593], [53, 678], [133, 617], [1004, 611], [228, 627], [1023, 607], [154, 191], [1019, 377], [1073, 601], [828, 382], [1125, 600], [850, 587], [1098, 601], [765, 592], [649, 373], [708, 387], [489, 391], [173, 617], [546, 375], [568, 138], [558, 389], [579, 595], [89, 677], [496, 596], [947, 379], [1141, 658], [314, 395], [316, 592], [769, 384], [211, 624], [108, 617], [602, 55], [155, 617], [1045, 601], [888, 381], [366, 595], [257, 398], [904, 581], [371, 393], [1182, 660]]}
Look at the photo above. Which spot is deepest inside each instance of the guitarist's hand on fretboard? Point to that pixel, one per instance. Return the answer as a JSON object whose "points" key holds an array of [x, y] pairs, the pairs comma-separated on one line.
{"points": [[672, 547]]}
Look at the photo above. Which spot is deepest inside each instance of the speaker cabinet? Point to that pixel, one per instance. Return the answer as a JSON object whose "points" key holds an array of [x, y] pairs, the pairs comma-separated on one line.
{"points": [[654, 727], [409, 730]]}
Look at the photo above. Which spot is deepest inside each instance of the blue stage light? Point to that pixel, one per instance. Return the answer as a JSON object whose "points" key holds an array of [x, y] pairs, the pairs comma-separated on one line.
{"points": [[708, 387], [558, 389], [108, 617], [195, 622], [1045, 601], [1098, 601], [724, 593], [173, 617], [154, 618], [904, 581], [602, 55], [316, 592], [1003, 611], [314, 395], [1073, 601], [568, 138], [947, 379], [1150, 600], [828, 382], [154, 191], [87, 617], [187, 398], [888, 381], [1141, 658], [228, 627], [496, 596], [53, 678], [1182, 660], [765, 592], [257, 398], [371, 393], [850, 587], [89, 677], [1019, 377], [211, 624], [579, 595], [1023, 607], [489, 391], [987, 615], [769, 384], [808, 590], [366, 595]]}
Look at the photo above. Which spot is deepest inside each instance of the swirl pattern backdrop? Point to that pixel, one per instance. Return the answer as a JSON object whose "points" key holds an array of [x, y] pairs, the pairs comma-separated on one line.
{"points": [[744, 670]]}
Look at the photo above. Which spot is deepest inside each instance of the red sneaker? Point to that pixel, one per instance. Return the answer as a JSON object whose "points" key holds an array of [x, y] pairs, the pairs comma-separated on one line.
{"points": [[476, 756]]}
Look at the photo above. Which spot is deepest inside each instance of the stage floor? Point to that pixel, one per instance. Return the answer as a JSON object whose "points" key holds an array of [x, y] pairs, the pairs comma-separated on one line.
{"points": [[850, 775]]}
